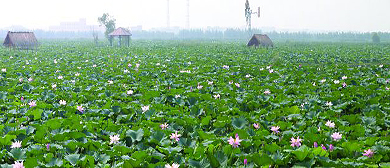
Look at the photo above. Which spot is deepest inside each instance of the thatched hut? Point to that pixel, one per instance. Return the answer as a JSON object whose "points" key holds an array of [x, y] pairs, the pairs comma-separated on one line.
{"points": [[21, 40], [260, 39], [121, 33]]}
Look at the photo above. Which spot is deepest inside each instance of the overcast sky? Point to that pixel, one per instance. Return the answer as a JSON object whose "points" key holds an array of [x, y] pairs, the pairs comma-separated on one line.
{"points": [[315, 15]]}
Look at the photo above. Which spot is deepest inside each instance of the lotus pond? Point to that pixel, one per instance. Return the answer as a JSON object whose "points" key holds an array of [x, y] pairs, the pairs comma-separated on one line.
{"points": [[195, 104]]}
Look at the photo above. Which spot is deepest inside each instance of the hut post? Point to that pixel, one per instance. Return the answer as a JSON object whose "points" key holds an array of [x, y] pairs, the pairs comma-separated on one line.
{"points": [[128, 41], [120, 41]]}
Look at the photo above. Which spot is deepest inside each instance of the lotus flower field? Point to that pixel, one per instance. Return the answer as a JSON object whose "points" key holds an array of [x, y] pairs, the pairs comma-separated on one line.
{"points": [[195, 104]]}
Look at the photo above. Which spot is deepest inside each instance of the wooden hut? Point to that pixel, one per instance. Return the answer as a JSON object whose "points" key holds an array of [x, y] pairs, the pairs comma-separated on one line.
{"points": [[21, 40], [120, 33], [260, 39]]}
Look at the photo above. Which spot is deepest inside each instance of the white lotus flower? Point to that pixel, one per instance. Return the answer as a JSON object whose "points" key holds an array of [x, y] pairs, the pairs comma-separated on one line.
{"points": [[62, 102], [114, 139], [329, 104], [145, 108]]}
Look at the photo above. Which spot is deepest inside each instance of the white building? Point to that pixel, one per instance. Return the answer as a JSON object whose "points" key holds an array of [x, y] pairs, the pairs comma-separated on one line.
{"points": [[79, 26]]}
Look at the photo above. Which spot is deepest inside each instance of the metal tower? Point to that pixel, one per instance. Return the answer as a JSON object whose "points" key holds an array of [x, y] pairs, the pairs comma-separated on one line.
{"points": [[248, 15]]}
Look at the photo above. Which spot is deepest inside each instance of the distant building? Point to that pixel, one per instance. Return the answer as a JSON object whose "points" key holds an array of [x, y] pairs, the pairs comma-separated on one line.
{"points": [[136, 28], [21, 40], [79, 26], [260, 39]]}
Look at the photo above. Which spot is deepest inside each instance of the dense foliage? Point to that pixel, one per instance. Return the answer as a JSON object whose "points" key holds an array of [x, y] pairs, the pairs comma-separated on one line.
{"points": [[196, 104]]}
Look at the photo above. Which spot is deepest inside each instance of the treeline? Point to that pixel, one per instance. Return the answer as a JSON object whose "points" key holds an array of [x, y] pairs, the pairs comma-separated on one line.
{"points": [[228, 34]]}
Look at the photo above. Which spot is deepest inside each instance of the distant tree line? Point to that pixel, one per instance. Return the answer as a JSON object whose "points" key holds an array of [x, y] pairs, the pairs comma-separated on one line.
{"points": [[228, 34]]}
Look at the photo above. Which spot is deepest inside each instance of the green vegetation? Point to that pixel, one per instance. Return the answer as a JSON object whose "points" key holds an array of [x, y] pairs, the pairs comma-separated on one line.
{"points": [[75, 105]]}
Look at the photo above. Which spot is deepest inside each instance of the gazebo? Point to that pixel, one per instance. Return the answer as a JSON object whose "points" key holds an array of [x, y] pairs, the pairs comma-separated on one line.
{"points": [[120, 33]]}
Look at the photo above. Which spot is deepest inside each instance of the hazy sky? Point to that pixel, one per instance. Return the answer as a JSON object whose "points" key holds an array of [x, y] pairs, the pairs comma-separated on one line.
{"points": [[326, 15]]}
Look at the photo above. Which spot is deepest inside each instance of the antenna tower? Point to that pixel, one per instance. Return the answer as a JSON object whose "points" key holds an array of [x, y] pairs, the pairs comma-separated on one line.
{"points": [[248, 15]]}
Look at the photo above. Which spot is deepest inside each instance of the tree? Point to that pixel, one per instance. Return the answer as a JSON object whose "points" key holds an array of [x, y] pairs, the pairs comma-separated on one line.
{"points": [[376, 38], [109, 22]]}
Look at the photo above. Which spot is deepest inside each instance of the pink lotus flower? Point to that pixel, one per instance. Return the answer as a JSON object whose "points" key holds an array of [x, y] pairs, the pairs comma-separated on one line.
{"points": [[344, 84], [80, 108], [199, 86], [18, 164], [32, 103], [175, 136], [114, 139], [256, 126], [235, 142], [174, 165], [330, 124], [164, 126], [16, 144], [130, 92], [368, 153], [295, 142], [323, 147], [275, 129], [336, 136], [331, 147]]}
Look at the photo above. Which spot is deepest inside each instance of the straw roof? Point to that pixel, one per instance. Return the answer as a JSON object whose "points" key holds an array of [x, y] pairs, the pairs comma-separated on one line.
{"points": [[120, 32], [21, 40], [260, 39]]}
